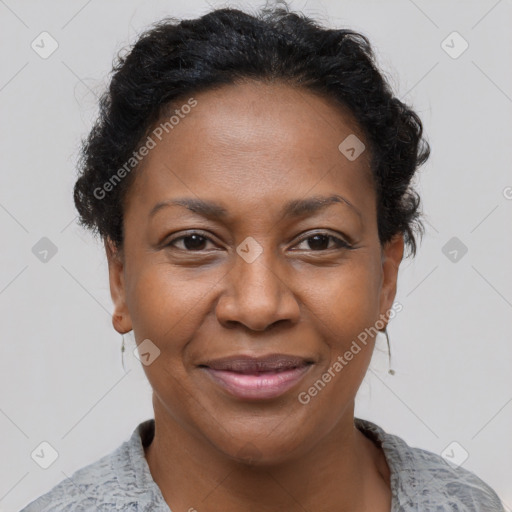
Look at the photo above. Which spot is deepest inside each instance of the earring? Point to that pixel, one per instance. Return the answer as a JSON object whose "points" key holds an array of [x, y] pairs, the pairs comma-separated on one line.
{"points": [[122, 353], [385, 331]]}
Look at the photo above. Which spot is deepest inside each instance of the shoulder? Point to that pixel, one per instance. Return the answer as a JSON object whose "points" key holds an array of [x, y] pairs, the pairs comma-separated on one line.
{"points": [[83, 490], [119, 480], [423, 480]]}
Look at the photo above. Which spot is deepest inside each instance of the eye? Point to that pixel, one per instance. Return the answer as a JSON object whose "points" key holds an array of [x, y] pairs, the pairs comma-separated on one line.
{"points": [[320, 242], [195, 242], [192, 242]]}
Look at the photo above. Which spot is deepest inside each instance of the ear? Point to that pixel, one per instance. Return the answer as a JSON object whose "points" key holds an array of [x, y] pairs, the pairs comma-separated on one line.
{"points": [[120, 318], [392, 253]]}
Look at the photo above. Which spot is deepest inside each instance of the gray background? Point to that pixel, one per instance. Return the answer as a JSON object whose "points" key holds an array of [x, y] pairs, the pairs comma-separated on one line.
{"points": [[61, 377]]}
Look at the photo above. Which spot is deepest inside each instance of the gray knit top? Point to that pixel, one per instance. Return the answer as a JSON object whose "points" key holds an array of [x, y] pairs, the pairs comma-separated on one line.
{"points": [[420, 480]]}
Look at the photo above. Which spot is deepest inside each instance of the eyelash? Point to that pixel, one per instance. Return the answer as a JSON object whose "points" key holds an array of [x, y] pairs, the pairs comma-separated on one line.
{"points": [[341, 244]]}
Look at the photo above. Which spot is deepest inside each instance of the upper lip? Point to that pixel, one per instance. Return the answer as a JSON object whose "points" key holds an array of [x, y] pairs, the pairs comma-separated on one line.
{"points": [[245, 363]]}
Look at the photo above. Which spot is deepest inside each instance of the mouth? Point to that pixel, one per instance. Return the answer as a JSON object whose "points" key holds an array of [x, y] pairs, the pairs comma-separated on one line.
{"points": [[257, 378]]}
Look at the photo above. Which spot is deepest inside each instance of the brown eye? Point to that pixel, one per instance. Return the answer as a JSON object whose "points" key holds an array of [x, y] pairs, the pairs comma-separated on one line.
{"points": [[192, 242], [321, 242]]}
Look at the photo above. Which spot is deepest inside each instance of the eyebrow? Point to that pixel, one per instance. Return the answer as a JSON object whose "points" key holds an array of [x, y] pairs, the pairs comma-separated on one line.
{"points": [[293, 208]]}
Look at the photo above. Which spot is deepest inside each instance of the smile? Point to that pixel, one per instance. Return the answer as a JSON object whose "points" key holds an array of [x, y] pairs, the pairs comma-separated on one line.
{"points": [[264, 378]]}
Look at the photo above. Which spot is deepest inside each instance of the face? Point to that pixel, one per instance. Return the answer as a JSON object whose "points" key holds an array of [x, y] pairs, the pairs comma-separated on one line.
{"points": [[271, 274]]}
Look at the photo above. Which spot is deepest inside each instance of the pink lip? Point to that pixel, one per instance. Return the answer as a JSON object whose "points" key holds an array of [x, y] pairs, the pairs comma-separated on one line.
{"points": [[258, 385]]}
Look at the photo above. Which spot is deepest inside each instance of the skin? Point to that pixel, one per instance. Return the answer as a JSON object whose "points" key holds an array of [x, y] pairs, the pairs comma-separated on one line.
{"points": [[251, 147]]}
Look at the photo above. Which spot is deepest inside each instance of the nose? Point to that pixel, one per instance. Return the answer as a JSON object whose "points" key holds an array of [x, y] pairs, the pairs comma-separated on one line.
{"points": [[256, 295]]}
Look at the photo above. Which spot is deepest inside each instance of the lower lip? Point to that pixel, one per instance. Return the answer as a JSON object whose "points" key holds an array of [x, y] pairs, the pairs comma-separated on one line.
{"points": [[257, 387]]}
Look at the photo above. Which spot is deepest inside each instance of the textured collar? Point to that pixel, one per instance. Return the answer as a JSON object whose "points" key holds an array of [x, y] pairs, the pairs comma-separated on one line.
{"points": [[137, 482], [418, 478]]}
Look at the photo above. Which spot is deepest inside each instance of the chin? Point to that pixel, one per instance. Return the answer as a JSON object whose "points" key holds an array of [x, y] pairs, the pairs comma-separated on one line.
{"points": [[254, 453]]}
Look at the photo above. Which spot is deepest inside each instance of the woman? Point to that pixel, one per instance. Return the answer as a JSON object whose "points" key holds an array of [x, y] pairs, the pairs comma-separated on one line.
{"points": [[250, 178]]}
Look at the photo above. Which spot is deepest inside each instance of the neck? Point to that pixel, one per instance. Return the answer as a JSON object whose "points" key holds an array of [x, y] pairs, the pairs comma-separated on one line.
{"points": [[343, 471]]}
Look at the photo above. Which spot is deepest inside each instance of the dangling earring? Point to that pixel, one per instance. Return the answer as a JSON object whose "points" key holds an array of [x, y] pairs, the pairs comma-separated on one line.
{"points": [[119, 319], [385, 331], [122, 352]]}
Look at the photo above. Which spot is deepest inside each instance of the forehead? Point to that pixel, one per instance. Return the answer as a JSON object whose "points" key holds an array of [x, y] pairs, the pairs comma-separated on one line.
{"points": [[253, 141]]}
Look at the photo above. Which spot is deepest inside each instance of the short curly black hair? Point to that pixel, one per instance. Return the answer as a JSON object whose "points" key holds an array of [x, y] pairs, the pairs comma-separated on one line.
{"points": [[175, 58]]}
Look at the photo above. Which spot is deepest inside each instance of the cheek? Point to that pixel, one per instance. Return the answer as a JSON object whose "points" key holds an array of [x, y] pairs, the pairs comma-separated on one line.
{"points": [[346, 301], [345, 307], [344, 312], [166, 306]]}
